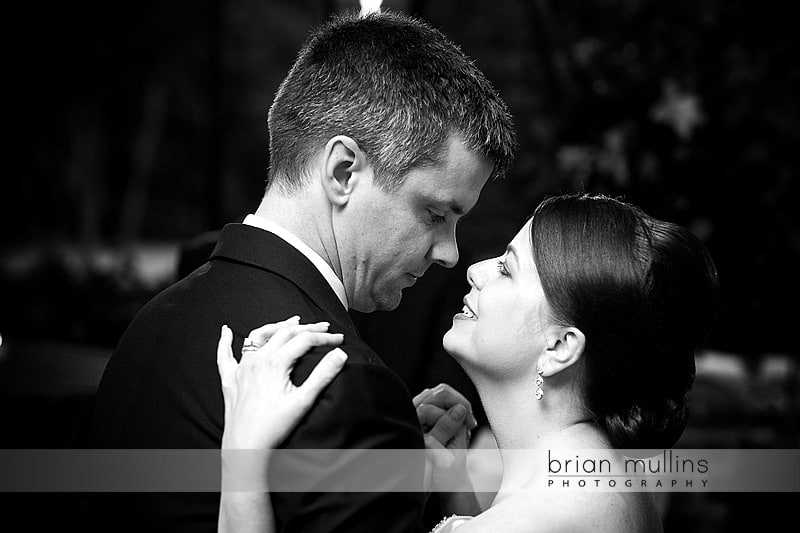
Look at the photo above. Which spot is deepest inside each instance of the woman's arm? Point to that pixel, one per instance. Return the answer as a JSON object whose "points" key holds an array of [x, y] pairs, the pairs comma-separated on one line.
{"points": [[245, 511], [262, 406]]}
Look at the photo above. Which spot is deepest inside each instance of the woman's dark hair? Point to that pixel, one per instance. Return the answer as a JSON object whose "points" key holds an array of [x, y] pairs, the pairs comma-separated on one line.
{"points": [[644, 292]]}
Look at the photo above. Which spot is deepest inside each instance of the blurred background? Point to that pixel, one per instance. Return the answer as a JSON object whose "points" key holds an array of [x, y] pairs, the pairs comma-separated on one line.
{"points": [[138, 129]]}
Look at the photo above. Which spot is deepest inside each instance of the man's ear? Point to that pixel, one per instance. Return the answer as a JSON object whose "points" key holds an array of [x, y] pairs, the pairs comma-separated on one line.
{"points": [[342, 161], [565, 349]]}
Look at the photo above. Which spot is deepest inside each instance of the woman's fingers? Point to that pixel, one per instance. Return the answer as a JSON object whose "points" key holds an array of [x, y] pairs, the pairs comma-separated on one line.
{"points": [[286, 333], [261, 402], [428, 414], [261, 335], [440, 457], [422, 396], [449, 424], [301, 343], [442, 395], [446, 397], [288, 342], [226, 364], [327, 369]]}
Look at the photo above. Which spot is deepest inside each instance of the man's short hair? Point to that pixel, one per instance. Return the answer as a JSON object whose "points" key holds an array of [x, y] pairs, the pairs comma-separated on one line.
{"points": [[395, 85]]}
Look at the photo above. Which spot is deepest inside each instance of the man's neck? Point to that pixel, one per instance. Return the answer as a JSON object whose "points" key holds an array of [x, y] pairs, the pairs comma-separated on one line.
{"points": [[308, 218]]}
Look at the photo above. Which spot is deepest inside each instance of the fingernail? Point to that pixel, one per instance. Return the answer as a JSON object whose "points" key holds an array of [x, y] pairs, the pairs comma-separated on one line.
{"points": [[295, 318], [340, 354], [458, 411]]}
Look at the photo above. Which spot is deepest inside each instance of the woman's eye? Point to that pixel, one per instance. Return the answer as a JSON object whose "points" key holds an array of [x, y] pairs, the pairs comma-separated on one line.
{"points": [[501, 267]]}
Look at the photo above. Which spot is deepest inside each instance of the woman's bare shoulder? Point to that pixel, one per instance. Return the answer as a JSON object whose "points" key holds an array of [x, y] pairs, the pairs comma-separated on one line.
{"points": [[561, 511]]}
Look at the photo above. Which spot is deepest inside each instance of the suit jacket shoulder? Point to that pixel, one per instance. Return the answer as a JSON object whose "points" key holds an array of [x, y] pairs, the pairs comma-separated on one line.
{"points": [[161, 386]]}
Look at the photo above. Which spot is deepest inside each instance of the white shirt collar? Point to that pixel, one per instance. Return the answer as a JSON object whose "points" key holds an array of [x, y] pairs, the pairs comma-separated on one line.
{"points": [[323, 267]]}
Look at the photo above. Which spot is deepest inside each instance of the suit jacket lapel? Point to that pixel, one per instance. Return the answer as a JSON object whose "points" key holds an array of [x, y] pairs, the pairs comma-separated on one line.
{"points": [[262, 249]]}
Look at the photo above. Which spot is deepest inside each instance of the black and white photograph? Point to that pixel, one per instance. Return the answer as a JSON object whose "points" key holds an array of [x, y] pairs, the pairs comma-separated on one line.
{"points": [[408, 266]]}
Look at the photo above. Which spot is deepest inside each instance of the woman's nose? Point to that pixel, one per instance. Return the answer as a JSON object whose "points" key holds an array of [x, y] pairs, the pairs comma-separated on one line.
{"points": [[477, 272]]}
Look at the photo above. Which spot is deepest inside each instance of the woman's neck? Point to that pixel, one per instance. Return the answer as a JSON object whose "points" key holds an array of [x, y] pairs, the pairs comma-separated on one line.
{"points": [[525, 428]]}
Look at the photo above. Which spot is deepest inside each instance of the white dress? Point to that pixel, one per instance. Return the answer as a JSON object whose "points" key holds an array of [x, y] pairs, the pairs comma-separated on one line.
{"points": [[448, 524]]}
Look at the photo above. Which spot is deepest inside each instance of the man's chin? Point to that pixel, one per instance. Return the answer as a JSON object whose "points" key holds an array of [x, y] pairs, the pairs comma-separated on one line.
{"points": [[388, 304], [382, 302]]}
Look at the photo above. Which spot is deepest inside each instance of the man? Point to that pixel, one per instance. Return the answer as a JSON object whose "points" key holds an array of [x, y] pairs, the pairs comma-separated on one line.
{"points": [[381, 137]]}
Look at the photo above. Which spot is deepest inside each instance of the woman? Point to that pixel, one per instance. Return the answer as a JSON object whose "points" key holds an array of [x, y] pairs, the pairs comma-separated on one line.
{"points": [[581, 335]]}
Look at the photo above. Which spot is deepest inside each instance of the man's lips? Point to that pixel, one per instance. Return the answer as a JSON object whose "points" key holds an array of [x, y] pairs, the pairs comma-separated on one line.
{"points": [[415, 275]]}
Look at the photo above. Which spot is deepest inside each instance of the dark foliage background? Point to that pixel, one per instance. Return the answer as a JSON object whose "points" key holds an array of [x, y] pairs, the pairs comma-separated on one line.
{"points": [[145, 122], [136, 126]]}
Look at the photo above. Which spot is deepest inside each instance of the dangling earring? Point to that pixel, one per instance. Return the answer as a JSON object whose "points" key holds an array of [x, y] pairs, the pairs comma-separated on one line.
{"points": [[539, 382]]}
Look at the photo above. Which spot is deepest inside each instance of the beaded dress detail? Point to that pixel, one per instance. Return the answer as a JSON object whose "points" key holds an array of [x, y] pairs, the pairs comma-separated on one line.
{"points": [[449, 523]]}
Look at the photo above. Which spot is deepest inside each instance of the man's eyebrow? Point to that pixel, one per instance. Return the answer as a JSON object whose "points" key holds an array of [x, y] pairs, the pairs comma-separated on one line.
{"points": [[445, 205], [457, 209]]}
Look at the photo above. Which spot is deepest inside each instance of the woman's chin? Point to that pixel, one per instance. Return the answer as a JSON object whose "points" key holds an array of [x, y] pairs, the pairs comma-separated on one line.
{"points": [[450, 343]]}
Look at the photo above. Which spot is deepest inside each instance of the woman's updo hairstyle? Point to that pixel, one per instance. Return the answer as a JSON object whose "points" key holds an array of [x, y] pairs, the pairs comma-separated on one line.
{"points": [[644, 292]]}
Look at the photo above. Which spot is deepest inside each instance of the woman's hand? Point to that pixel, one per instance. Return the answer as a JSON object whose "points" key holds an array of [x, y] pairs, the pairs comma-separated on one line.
{"points": [[447, 422], [446, 418], [262, 405]]}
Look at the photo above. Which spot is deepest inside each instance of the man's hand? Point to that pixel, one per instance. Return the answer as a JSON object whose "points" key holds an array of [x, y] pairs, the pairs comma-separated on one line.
{"points": [[433, 404], [446, 418]]}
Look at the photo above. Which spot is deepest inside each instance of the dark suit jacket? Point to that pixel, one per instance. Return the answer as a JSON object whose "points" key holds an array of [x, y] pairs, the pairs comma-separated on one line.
{"points": [[161, 389]]}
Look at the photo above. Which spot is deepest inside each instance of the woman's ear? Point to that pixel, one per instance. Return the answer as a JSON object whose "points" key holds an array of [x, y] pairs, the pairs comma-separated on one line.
{"points": [[565, 350], [342, 161]]}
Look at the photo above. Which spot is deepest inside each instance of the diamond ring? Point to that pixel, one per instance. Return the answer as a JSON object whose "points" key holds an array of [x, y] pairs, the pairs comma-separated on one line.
{"points": [[249, 346]]}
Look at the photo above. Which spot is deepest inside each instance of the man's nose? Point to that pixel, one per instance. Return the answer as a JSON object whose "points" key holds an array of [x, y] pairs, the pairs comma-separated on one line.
{"points": [[444, 251]]}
